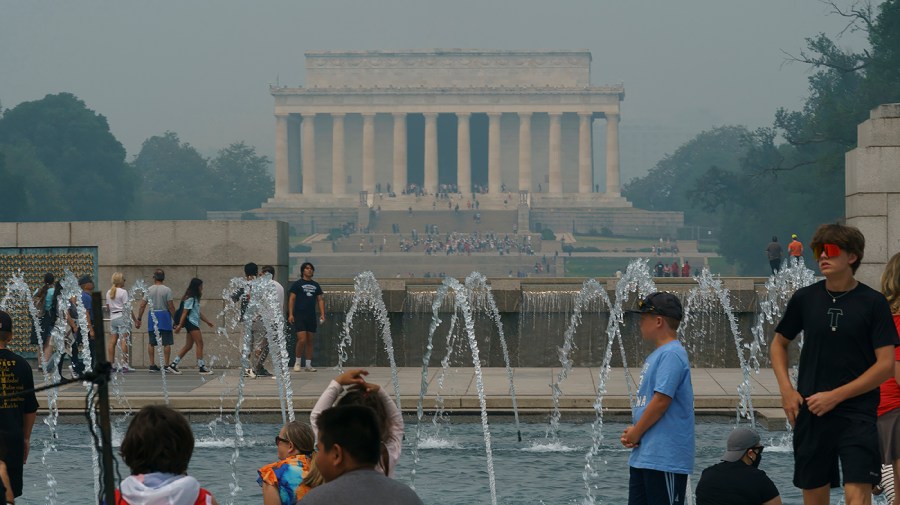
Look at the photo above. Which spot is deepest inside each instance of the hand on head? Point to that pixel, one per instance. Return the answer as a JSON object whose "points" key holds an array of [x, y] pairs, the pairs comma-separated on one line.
{"points": [[352, 376]]}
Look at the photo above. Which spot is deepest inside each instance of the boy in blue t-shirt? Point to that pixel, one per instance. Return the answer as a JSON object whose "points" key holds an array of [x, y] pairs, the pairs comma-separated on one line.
{"points": [[662, 436]]}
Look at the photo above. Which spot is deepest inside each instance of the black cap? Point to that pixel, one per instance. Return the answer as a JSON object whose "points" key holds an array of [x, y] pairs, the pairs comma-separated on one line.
{"points": [[663, 304], [85, 279], [5, 321]]}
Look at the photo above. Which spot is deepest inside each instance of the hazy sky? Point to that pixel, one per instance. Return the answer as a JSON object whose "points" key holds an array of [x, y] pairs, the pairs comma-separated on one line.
{"points": [[202, 68]]}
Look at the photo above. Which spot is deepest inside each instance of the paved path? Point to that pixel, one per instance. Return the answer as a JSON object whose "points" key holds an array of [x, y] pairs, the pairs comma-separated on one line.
{"points": [[715, 391]]}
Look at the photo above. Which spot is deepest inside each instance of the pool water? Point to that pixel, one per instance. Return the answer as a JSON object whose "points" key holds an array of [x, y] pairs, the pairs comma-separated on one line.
{"points": [[451, 469]]}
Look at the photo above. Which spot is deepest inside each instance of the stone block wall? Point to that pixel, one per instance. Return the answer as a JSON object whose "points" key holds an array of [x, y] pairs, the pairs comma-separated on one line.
{"points": [[873, 189]]}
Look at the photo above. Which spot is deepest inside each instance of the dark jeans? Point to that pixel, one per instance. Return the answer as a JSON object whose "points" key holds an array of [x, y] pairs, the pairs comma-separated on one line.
{"points": [[77, 363]]}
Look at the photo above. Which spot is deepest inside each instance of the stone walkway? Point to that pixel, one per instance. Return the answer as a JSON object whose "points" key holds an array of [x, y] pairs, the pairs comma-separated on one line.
{"points": [[715, 391]]}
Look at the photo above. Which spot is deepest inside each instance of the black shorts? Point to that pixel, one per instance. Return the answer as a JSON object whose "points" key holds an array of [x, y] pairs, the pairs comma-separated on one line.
{"points": [[821, 442], [164, 335], [189, 326], [15, 455], [308, 324]]}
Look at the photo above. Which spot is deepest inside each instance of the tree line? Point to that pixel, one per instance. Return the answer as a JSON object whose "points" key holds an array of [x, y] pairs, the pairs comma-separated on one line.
{"points": [[60, 162], [788, 177]]}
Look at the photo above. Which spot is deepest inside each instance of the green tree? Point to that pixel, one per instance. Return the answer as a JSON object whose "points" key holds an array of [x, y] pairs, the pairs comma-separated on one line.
{"points": [[242, 177], [176, 180], [670, 184], [65, 142], [37, 194]]}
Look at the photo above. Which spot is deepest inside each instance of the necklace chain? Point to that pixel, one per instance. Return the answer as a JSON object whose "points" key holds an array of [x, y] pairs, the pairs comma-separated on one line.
{"points": [[834, 298]]}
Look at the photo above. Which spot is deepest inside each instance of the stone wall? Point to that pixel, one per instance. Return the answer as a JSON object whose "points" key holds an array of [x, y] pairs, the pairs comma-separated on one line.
{"points": [[873, 189]]}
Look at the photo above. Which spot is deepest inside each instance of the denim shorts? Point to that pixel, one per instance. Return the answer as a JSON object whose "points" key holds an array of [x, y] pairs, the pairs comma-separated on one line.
{"points": [[120, 325]]}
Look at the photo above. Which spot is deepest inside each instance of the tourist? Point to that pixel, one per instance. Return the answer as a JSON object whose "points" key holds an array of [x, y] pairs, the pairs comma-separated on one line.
{"points": [[737, 480], [360, 392], [157, 447], [43, 302], [889, 403], [349, 449], [848, 349], [662, 436], [305, 295], [119, 323], [279, 295], [795, 248], [774, 253], [686, 269], [78, 363], [159, 322], [287, 480], [17, 413], [190, 319], [675, 269], [259, 346]]}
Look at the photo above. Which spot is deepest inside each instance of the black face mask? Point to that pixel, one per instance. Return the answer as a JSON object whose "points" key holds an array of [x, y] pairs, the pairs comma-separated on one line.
{"points": [[758, 458]]}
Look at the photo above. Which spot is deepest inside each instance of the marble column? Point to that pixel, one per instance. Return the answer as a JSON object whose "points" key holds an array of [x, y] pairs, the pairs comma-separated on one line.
{"points": [[495, 179], [400, 168], [612, 155], [585, 153], [282, 177], [524, 151], [555, 152], [431, 154], [308, 153], [463, 154], [368, 161], [338, 171]]}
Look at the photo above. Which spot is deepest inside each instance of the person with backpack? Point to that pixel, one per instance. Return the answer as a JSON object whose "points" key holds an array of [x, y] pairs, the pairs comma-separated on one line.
{"points": [[189, 316]]}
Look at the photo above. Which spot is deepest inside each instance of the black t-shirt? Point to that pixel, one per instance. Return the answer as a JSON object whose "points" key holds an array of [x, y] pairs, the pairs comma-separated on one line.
{"points": [[842, 331], [734, 483], [15, 376], [306, 293]]}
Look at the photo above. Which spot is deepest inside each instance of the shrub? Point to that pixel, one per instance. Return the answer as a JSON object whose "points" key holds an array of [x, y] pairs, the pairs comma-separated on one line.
{"points": [[547, 234]]}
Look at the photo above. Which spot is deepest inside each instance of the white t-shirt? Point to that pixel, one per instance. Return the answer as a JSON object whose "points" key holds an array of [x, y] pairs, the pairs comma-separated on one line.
{"points": [[117, 303]]}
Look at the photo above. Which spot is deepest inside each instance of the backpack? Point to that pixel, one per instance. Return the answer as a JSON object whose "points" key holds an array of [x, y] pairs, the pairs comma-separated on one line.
{"points": [[179, 312]]}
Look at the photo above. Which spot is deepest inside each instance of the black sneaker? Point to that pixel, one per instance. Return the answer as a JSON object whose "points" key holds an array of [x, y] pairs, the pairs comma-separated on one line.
{"points": [[173, 368], [262, 372], [153, 369], [204, 371]]}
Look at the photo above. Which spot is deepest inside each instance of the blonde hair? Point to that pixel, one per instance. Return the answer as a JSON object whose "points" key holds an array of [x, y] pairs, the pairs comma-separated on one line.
{"points": [[301, 435], [890, 283], [118, 280]]}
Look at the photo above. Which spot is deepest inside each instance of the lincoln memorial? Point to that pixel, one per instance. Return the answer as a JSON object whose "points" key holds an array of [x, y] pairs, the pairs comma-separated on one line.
{"points": [[388, 129]]}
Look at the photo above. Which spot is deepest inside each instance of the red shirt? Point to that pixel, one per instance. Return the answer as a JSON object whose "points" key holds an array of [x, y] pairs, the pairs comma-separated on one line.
{"points": [[796, 248], [890, 391]]}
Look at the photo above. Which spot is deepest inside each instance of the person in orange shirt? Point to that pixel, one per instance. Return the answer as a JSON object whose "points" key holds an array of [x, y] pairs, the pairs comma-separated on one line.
{"points": [[795, 248]]}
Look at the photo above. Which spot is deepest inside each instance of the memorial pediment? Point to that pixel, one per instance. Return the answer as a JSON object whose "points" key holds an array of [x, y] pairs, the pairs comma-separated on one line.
{"points": [[455, 68]]}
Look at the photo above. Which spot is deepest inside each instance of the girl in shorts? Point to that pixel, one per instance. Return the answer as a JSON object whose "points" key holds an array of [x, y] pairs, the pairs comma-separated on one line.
{"points": [[119, 322], [190, 320], [889, 405]]}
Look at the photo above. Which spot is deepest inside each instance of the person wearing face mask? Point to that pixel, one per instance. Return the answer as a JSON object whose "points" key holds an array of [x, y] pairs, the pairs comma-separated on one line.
{"points": [[737, 480]]}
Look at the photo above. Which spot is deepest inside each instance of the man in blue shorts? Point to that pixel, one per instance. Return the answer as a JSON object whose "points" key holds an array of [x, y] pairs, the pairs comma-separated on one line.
{"points": [[848, 351], [662, 437]]}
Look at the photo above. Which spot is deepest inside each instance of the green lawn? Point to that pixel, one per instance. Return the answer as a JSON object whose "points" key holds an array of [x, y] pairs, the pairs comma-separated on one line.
{"points": [[595, 267], [718, 265]]}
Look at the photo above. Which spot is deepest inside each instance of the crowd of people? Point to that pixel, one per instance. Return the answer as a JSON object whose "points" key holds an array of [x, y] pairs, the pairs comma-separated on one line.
{"points": [[467, 243], [674, 270]]}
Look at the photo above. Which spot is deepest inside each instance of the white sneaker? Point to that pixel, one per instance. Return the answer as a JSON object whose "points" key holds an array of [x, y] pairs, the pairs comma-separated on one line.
{"points": [[297, 366], [248, 372], [310, 369]]}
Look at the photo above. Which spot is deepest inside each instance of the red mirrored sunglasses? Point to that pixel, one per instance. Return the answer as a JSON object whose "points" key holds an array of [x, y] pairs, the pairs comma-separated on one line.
{"points": [[830, 250]]}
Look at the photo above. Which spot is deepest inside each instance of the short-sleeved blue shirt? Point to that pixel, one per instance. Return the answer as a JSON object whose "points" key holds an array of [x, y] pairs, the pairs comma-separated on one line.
{"points": [[668, 446], [192, 307]]}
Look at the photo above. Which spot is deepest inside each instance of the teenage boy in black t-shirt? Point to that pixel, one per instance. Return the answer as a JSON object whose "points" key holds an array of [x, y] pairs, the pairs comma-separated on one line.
{"points": [[17, 413], [848, 350]]}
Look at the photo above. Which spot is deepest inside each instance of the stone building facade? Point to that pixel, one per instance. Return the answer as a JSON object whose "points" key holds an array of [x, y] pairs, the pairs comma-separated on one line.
{"points": [[361, 115]]}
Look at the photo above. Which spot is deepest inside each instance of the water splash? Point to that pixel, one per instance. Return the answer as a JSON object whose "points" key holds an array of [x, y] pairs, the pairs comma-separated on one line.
{"points": [[367, 294], [481, 295], [461, 297], [710, 296], [141, 290]]}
